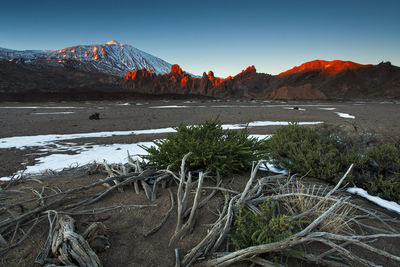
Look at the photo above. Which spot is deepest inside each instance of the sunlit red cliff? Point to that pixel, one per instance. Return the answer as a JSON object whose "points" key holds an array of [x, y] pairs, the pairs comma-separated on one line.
{"points": [[316, 79], [325, 67]]}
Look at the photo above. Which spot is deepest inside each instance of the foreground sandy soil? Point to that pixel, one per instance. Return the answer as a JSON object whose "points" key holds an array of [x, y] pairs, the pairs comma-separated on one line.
{"points": [[127, 226]]}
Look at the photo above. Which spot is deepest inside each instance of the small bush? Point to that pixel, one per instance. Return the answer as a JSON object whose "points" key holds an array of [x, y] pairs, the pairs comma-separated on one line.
{"points": [[225, 151], [381, 171], [386, 188], [305, 151]]}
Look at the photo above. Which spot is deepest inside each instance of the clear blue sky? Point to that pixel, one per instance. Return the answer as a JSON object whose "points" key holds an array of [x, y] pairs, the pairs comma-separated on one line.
{"points": [[224, 36]]}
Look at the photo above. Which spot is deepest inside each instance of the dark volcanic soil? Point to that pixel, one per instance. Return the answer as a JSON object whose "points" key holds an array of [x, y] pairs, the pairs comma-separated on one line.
{"points": [[128, 245], [26, 119]]}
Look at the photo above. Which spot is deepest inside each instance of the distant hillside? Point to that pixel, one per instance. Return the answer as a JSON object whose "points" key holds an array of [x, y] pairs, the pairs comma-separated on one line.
{"points": [[110, 58], [312, 80], [81, 77]]}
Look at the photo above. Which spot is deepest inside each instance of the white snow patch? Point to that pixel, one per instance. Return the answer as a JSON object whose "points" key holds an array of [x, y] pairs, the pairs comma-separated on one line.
{"points": [[390, 205], [345, 115], [327, 108], [266, 123], [115, 153], [174, 106], [292, 108], [52, 113], [123, 104], [31, 107], [42, 140]]}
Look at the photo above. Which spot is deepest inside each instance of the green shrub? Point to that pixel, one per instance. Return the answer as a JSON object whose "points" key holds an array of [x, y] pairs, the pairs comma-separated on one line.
{"points": [[225, 151], [256, 229], [381, 171], [385, 188], [385, 158], [305, 151]]}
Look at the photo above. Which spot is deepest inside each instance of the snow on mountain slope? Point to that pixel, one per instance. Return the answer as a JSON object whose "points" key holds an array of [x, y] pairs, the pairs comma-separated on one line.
{"points": [[112, 58]]}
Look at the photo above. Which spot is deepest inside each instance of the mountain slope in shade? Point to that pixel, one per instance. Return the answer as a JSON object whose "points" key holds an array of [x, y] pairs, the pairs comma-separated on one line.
{"points": [[109, 58], [326, 67]]}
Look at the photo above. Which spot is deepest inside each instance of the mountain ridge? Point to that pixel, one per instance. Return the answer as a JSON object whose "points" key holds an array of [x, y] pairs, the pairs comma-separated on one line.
{"points": [[111, 58], [115, 68]]}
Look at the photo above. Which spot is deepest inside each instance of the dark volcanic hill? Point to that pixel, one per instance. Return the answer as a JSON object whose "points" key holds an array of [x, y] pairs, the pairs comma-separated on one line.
{"points": [[312, 80]]}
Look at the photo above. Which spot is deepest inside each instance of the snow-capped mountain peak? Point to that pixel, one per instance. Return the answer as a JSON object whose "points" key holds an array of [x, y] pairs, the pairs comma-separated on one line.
{"points": [[111, 58], [113, 42]]}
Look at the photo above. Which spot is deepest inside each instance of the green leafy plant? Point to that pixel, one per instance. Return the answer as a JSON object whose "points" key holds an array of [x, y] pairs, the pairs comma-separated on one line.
{"points": [[385, 188], [305, 151], [251, 229], [225, 151], [382, 171]]}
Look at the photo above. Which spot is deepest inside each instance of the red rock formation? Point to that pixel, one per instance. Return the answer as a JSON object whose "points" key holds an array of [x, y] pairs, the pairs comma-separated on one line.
{"points": [[175, 69], [326, 67], [312, 80]]}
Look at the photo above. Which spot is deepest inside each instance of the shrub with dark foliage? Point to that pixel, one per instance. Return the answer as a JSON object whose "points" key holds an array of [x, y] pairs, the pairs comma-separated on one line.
{"points": [[214, 148]]}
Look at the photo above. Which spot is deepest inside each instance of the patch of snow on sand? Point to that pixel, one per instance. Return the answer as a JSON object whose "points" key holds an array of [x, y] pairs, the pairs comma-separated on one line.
{"points": [[327, 108], [41, 140], [174, 106], [266, 123], [345, 115], [52, 113], [292, 108], [115, 153], [234, 106], [390, 205], [37, 107]]}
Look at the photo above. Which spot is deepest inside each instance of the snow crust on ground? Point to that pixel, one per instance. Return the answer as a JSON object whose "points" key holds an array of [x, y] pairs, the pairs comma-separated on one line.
{"points": [[345, 115], [390, 205], [37, 107], [327, 108], [236, 106], [87, 153], [52, 113], [292, 108], [41, 140], [267, 123]]}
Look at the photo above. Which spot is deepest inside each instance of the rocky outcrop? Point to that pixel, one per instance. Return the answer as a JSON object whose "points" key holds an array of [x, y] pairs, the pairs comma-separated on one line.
{"points": [[313, 80], [325, 67]]}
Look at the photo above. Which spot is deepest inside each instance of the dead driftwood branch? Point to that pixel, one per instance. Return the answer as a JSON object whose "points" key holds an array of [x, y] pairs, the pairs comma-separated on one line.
{"points": [[58, 206], [70, 247], [327, 204]]}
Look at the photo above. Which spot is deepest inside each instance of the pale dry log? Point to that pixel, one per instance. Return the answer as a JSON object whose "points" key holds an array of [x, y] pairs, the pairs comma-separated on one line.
{"points": [[22, 239], [207, 198], [291, 241], [188, 226], [147, 189], [70, 247], [166, 216], [263, 262], [208, 241], [180, 194], [177, 260], [254, 170], [155, 185], [111, 174]]}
